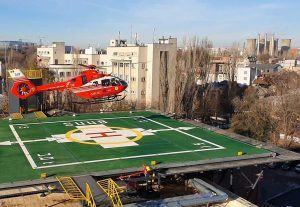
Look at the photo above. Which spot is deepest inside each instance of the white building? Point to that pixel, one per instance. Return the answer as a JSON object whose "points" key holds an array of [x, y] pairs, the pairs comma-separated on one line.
{"points": [[53, 54], [246, 75], [289, 64], [138, 64]]}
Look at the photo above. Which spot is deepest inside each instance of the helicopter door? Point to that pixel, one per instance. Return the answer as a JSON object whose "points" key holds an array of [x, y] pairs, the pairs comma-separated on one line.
{"points": [[84, 79]]}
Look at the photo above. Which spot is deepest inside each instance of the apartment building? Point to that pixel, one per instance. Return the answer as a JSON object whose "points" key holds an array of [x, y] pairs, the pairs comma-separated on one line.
{"points": [[138, 64]]}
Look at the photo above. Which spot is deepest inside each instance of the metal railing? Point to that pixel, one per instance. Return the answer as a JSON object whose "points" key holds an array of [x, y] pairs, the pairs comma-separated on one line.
{"points": [[112, 190]]}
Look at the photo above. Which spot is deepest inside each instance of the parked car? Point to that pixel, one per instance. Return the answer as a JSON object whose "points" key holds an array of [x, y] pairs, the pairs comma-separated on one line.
{"points": [[286, 165], [297, 168], [274, 165]]}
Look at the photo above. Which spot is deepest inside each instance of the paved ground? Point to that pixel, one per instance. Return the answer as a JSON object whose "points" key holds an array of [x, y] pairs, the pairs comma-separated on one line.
{"points": [[100, 142], [277, 181]]}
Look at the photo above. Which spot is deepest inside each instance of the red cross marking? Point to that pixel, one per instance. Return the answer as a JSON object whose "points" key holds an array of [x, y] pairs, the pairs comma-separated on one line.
{"points": [[103, 134]]}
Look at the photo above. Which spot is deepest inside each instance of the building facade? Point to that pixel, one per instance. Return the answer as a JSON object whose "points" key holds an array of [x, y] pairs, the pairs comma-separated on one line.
{"points": [[138, 64]]}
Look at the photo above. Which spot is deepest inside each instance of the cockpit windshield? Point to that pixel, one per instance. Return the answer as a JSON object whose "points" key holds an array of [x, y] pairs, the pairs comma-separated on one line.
{"points": [[114, 81]]}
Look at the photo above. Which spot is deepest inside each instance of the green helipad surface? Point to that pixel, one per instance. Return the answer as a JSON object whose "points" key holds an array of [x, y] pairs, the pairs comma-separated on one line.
{"points": [[100, 142]]}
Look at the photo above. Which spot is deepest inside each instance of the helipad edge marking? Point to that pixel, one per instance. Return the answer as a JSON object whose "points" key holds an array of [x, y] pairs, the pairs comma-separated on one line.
{"points": [[124, 158]]}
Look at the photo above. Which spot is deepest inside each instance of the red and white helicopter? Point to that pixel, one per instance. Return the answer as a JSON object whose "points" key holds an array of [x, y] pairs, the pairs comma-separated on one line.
{"points": [[90, 85]]}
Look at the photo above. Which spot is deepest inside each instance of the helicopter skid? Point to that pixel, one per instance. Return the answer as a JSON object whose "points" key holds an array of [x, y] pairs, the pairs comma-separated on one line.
{"points": [[103, 100]]}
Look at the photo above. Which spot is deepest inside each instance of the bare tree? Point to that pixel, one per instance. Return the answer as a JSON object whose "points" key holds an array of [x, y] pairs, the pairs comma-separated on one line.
{"points": [[274, 116], [192, 65]]}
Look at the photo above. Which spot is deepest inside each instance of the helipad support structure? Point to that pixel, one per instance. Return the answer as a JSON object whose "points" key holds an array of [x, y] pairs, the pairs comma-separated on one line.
{"points": [[116, 143]]}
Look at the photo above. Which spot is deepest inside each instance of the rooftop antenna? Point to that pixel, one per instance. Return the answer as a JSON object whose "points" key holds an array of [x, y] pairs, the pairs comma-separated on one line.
{"points": [[119, 38], [136, 38], [153, 37], [131, 34]]}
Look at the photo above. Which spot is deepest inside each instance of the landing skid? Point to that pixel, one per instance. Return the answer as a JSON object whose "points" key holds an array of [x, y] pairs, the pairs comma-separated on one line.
{"points": [[102, 100]]}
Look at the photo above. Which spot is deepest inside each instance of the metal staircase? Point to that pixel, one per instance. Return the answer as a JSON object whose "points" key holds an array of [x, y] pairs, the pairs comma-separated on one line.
{"points": [[71, 189], [112, 190]]}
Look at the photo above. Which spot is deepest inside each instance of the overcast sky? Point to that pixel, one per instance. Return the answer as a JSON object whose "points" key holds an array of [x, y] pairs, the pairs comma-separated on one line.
{"points": [[95, 22]]}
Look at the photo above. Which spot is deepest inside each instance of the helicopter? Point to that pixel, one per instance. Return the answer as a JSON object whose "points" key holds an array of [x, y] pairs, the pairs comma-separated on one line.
{"points": [[90, 85]]}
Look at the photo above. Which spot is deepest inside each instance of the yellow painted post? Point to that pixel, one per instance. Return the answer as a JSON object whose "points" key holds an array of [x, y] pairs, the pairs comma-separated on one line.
{"points": [[153, 162], [44, 175], [240, 153]]}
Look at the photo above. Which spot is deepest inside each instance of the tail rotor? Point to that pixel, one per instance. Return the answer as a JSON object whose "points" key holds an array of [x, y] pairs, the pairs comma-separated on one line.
{"points": [[22, 87]]}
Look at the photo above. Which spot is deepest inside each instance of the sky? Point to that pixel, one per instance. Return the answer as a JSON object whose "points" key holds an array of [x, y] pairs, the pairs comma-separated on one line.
{"points": [[83, 23]]}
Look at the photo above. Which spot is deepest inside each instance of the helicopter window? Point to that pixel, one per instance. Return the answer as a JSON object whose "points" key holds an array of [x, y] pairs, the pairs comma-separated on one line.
{"points": [[73, 80], [113, 82], [95, 83], [118, 82], [84, 80], [105, 82]]}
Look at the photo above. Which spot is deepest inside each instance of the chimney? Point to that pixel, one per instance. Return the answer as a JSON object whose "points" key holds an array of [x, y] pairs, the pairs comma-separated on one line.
{"points": [[258, 44], [271, 49], [266, 42]]}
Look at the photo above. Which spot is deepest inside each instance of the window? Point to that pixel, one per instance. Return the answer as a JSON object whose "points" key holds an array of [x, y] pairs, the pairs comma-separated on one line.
{"points": [[61, 74], [245, 78], [121, 64], [143, 79], [132, 92], [115, 53], [95, 83], [115, 64], [126, 65], [245, 72], [84, 79], [143, 65], [132, 78], [143, 93], [105, 82], [68, 74]]}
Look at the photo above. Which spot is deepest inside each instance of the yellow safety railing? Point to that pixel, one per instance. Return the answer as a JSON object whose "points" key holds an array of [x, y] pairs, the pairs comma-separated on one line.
{"points": [[74, 193], [112, 190], [71, 189], [16, 116], [89, 196], [40, 114]]}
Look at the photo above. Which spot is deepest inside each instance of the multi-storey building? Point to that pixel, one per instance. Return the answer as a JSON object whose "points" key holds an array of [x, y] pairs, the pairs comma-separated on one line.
{"points": [[138, 64]]}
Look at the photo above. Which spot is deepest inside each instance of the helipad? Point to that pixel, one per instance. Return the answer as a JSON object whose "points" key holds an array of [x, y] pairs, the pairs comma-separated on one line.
{"points": [[102, 142]]}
